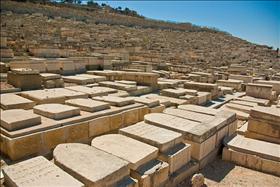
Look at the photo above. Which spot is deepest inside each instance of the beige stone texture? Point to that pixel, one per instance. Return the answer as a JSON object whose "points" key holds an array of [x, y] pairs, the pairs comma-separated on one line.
{"points": [[200, 150], [177, 156], [119, 86], [266, 113], [184, 172], [99, 126], [259, 101], [56, 111], [22, 147], [152, 174], [157, 109], [88, 105], [251, 146], [126, 148], [38, 171], [159, 137], [89, 165], [13, 101], [77, 133], [149, 102], [114, 100], [259, 91], [264, 127], [94, 91], [131, 116], [18, 119]]}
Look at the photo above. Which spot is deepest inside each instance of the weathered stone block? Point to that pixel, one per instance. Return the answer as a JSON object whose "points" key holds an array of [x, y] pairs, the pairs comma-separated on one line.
{"points": [[99, 126], [38, 171], [18, 119], [89, 165], [56, 111], [88, 105], [13, 101], [152, 174], [125, 148]]}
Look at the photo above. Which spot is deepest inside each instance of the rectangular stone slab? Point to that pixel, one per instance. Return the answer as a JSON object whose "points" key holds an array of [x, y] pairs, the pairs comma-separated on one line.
{"points": [[94, 91], [162, 101], [173, 101], [266, 113], [56, 111], [230, 116], [153, 135], [259, 101], [56, 95], [133, 151], [199, 109], [114, 100], [118, 86], [38, 171], [149, 102], [191, 130], [96, 78], [50, 76], [239, 107], [245, 103], [127, 82], [88, 105], [78, 79], [189, 115], [91, 166], [264, 128], [19, 119], [173, 92], [13, 101], [260, 148]]}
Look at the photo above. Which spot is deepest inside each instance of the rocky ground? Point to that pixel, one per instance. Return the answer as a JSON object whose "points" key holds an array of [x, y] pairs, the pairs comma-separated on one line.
{"points": [[221, 173]]}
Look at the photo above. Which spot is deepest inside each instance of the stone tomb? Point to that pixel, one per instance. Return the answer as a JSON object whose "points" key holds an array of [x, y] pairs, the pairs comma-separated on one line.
{"points": [[149, 102], [153, 104], [259, 91], [88, 105], [18, 119], [141, 158], [127, 82], [204, 134], [167, 101], [56, 95], [96, 78], [25, 79], [114, 100], [119, 86], [91, 166], [259, 101], [173, 92], [255, 154], [170, 145], [41, 139], [78, 79], [13, 101], [56, 111], [162, 100], [235, 84], [38, 171], [94, 91], [205, 87], [264, 124]]}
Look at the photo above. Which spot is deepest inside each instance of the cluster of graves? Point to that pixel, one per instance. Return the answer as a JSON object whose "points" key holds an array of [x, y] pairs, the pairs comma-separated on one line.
{"points": [[134, 128], [87, 104]]}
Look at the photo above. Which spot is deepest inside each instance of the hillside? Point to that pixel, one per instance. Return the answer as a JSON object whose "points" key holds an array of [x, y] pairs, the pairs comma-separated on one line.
{"points": [[84, 31]]}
